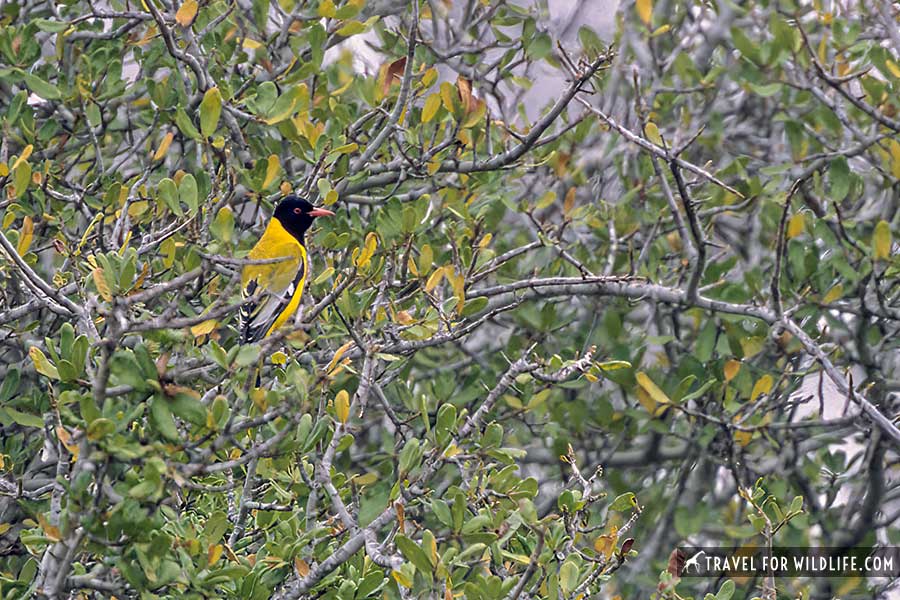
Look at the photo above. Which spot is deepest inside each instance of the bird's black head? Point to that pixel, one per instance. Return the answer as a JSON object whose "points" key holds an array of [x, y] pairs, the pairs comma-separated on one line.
{"points": [[296, 215]]}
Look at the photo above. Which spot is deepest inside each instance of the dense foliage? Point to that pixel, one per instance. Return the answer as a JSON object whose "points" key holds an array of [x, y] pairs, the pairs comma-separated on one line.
{"points": [[541, 345]]}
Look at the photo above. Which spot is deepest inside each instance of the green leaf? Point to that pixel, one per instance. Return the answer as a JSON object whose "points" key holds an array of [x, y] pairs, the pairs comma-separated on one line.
{"points": [[189, 408], [168, 193], [410, 456], [568, 577], [42, 88], [839, 178], [187, 192], [25, 419], [143, 490], [414, 554], [100, 428], [623, 502], [161, 419], [726, 591], [51, 26], [186, 125], [539, 47], [247, 355], [10, 385], [222, 226], [210, 111]]}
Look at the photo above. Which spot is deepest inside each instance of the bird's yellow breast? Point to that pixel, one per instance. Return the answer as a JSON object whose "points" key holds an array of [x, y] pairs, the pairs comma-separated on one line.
{"points": [[275, 243]]}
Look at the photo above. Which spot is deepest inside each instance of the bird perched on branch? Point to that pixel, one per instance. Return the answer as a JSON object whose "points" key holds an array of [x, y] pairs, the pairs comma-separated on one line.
{"points": [[272, 290]]}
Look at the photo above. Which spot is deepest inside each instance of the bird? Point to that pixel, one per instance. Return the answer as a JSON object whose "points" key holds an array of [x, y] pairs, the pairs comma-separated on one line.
{"points": [[271, 291]]}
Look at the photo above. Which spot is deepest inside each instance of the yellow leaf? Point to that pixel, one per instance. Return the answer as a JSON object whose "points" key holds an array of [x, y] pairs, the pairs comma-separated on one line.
{"points": [[324, 275], [569, 202], [895, 158], [327, 9], [606, 544], [644, 10], [432, 104], [822, 52], [368, 250], [743, 437], [214, 553], [447, 94], [426, 259], [351, 28], [451, 451], [337, 356], [293, 100], [486, 240], [651, 388], [4, 170], [203, 328], [833, 294], [342, 406], [429, 77], [164, 146], [731, 369], [402, 579], [434, 280], [796, 225], [893, 67], [652, 133], [102, 286], [26, 234], [42, 364], [273, 168], [881, 241], [279, 358], [51, 531], [21, 179], [411, 265], [647, 401], [762, 386], [26, 153], [458, 282], [186, 13], [367, 479], [751, 346]]}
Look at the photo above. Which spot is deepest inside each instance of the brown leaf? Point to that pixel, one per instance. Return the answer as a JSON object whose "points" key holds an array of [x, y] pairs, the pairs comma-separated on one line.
{"points": [[400, 515], [301, 566], [392, 71], [186, 13], [465, 93], [676, 562]]}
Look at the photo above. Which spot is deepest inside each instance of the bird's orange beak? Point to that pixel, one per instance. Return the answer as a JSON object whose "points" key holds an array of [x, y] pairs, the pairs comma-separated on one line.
{"points": [[321, 212]]}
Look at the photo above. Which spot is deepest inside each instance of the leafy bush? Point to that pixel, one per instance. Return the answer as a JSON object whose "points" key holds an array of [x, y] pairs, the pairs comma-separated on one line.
{"points": [[680, 269]]}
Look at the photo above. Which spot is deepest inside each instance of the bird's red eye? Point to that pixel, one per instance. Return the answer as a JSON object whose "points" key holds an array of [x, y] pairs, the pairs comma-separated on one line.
{"points": [[297, 211]]}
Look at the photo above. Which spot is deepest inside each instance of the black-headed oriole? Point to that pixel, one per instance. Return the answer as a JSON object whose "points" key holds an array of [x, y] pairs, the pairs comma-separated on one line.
{"points": [[278, 284]]}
